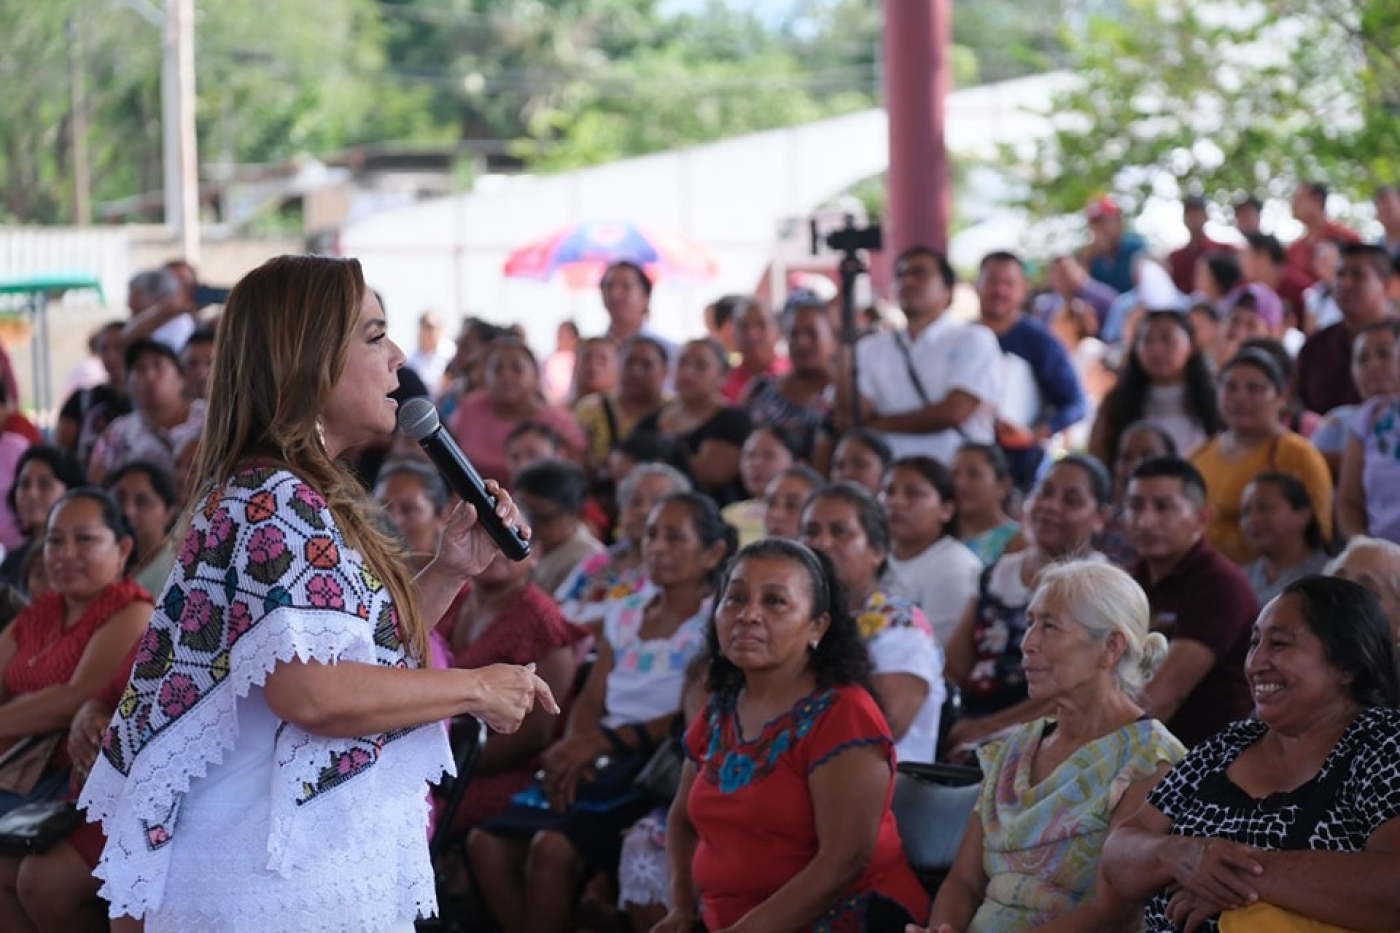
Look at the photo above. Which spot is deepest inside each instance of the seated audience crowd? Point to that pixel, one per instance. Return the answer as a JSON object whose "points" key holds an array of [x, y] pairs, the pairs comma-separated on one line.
{"points": [[1125, 549]]}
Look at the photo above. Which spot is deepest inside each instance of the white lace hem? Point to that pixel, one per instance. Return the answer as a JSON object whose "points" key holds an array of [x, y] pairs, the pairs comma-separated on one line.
{"points": [[135, 873], [375, 877]]}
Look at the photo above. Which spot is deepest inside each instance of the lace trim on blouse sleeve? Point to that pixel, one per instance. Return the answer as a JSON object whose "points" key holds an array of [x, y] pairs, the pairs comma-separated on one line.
{"points": [[264, 577]]}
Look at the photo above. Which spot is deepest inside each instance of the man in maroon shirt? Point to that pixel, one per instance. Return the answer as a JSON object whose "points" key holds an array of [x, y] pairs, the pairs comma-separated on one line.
{"points": [[1199, 600], [1324, 362], [1310, 210], [1182, 262]]}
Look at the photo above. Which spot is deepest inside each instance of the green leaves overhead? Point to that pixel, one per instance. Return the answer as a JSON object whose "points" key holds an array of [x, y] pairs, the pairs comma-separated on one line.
{"points": [[274, 80], [1223, 98], [556, 83]]}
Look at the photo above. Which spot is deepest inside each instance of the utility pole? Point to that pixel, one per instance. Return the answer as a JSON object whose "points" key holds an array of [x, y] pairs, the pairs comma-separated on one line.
{"points": [[918, 77], [77, 90], [181, 145]]}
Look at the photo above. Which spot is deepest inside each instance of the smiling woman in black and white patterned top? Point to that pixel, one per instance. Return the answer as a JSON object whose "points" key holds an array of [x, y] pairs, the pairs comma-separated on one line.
{"points": [[1295, 812]]}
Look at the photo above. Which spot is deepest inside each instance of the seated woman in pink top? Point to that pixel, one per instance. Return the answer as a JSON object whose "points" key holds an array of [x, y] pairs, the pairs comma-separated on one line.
{"points": [[511, 394]]}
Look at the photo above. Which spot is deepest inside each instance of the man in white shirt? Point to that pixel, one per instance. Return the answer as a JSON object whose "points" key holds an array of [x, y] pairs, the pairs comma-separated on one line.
{"points": [[935, 385], [165, 304], [163, 289], [430, 360]]}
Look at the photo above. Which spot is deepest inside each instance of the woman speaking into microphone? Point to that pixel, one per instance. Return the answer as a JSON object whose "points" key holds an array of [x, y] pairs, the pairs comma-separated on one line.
{"points": [[266, 769]]}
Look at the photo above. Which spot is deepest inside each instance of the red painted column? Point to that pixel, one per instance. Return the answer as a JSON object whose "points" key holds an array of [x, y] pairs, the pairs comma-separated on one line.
{"points": [[918, 76]]}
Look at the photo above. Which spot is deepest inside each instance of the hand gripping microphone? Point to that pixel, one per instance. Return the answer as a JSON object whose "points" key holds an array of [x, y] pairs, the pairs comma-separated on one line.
{"points": [[419, 420]]}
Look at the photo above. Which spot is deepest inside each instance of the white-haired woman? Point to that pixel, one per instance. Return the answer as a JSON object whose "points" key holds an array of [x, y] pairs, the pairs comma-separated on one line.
{"points": [[1375, 564], [1052, 789], [586, 594]]}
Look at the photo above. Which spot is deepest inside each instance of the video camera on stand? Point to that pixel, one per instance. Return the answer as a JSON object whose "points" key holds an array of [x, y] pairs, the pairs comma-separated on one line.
{"points": [[851, 241]]}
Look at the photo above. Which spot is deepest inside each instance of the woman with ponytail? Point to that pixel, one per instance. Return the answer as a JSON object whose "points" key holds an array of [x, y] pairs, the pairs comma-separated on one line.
{"points": [[845, 523], [267, 766], [1054, 787]]}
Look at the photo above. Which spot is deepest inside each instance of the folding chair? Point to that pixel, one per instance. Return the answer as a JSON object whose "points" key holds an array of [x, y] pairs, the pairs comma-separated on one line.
{"points": [[932, 805]]}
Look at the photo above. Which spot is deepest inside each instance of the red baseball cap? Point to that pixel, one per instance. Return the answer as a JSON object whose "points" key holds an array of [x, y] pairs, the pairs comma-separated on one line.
{"points": [[1102, 206]]}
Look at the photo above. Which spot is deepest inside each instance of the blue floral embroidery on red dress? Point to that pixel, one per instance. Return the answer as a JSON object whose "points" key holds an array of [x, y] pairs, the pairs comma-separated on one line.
{"points": [[732, 764], [847, 916]]}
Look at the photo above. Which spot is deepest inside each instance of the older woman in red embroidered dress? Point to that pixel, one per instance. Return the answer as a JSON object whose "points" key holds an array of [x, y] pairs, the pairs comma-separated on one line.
{"points": [[791, 766]]}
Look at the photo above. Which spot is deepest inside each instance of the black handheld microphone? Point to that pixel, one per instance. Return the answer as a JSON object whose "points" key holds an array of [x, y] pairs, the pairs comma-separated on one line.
{"points": [[419, 420]]}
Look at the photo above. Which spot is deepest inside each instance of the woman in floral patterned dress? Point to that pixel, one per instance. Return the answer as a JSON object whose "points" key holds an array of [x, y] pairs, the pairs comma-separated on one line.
{"points": [[618, 572], [266, 768], [845, 522], [1053, 788], [1063, 514], [782, 820]]}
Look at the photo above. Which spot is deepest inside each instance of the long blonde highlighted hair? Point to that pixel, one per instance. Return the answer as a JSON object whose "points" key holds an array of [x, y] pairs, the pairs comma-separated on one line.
{"points": [[280, 348]]}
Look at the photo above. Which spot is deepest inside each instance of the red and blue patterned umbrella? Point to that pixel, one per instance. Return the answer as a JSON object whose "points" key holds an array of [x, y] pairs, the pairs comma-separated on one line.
{"points": [[582, 252]]}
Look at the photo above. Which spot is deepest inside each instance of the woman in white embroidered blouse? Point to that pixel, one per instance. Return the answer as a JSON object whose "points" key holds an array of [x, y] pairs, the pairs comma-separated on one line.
{"points": [[266, 768]]}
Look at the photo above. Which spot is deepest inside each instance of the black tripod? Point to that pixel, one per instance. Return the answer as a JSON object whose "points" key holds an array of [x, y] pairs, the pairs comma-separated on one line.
{"points": [[851, 241]]}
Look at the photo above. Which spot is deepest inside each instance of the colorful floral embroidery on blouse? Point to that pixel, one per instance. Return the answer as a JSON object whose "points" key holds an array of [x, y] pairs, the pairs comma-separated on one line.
{"points": [[292, 556], [883, 611], [631, 652], [135, 437], [599, 579], [731, 763]]}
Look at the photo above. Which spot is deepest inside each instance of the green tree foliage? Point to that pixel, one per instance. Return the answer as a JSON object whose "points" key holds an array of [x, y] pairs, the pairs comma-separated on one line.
{"points": [[495, 65], [1223, 98], [578, 82], [703, 77], [728, 69], [274, 80], [34, 110], [278, 80], [1012, 40], [1361, 55], [561, 83]]}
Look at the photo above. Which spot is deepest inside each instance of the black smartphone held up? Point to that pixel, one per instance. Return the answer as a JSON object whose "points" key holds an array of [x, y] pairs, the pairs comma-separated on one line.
{"points": [[206, 295]]}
